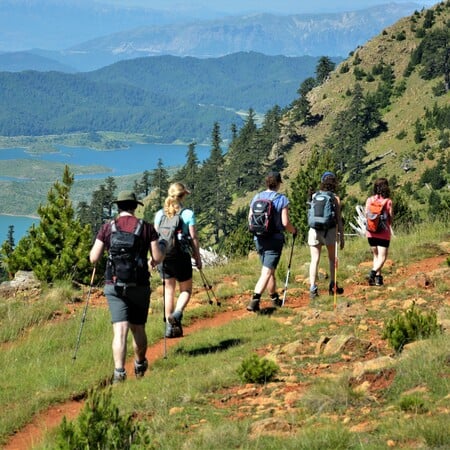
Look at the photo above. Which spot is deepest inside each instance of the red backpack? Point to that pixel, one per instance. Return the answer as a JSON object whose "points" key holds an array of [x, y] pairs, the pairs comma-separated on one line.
{"points": [[376, 215]]}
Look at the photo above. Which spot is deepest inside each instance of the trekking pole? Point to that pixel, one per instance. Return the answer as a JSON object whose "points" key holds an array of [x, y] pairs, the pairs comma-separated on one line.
{"points": [[83, 317], [164, 309], [335, 269], [208, 288], [288, 271]]}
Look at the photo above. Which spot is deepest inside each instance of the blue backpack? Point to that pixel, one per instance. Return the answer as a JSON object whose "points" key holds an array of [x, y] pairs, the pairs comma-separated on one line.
{"points": [[322, 211]]}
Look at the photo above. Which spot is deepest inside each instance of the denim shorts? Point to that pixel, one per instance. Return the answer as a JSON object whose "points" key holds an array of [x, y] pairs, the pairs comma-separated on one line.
{"points": [[130, 305], [269, 251]]}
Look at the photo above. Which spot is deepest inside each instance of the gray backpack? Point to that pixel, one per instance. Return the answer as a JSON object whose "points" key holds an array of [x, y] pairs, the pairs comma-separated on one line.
{"points": [[171, 230]]}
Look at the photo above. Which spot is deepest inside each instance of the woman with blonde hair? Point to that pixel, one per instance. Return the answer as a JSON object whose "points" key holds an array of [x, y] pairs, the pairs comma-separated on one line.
{"points": [[177, 265]]}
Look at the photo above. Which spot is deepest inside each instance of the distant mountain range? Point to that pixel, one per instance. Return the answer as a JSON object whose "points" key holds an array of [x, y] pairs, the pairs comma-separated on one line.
{"points": [[154, 34]]}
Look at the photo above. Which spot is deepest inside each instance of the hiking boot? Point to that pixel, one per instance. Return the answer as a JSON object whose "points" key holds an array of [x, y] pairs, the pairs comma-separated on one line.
{"points": [[175, 322], [371, 278], [339, 290], [378, 280], [168, 333], [119, 376], [253, 306], [313, 293], [276, 301], [140, 368]]}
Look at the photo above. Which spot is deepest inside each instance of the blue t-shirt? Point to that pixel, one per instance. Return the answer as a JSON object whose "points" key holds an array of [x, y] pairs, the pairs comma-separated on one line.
{"points": [[280, 201], [187, 217]]}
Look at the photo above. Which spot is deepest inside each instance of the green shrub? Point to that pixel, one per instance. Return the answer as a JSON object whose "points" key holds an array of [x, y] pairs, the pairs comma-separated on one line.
{"points": [[100, 426], [414, 404], [410, 326], [257, 370]]}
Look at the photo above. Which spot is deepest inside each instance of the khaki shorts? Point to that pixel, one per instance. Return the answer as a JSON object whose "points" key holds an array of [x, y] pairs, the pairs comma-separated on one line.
{"points": [[319, 237]]}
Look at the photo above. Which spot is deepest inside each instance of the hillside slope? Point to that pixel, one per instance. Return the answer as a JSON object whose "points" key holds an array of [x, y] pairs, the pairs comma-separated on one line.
{"points": [[412, 95]]}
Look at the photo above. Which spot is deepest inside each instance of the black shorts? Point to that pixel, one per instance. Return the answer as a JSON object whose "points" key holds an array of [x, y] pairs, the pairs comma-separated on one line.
{"points": [[179, 268], [377, 242]]}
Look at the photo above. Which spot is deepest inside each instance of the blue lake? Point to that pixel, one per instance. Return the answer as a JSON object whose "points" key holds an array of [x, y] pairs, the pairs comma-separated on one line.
{"points": [[133, 160], [21, 225]]}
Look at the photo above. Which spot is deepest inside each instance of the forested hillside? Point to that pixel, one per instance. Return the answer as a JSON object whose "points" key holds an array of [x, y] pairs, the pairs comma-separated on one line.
{"points": [[382, 112], [136, 96]]}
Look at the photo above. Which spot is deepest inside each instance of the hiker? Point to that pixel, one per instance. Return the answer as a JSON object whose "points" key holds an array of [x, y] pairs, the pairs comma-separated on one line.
{"points": [[128, 304], [379, 240], [326, 235], [270, 245], [177, 265]]}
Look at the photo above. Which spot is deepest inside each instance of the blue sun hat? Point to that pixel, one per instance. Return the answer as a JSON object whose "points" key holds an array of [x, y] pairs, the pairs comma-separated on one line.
{"points": [[326, 174]]}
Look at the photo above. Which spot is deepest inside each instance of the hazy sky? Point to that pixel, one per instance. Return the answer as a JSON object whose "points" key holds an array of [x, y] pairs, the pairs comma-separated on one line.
{"points": [[280, 6]]}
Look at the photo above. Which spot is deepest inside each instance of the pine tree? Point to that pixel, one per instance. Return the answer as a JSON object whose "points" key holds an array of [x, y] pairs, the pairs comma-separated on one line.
{"points": [[58, 247], [188, 175], [324, 67], [213, 209], [159, 180]]}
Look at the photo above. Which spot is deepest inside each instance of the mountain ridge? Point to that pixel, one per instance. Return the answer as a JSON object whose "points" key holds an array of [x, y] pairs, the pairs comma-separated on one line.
{"points": [[331, 34]]}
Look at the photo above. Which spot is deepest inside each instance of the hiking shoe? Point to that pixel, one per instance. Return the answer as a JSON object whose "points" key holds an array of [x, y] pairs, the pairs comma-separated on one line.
{"points": [[313, 293], [253, 306], [119, 376], [168, 333], [276, 301], [175, 322], [339, 290], [378, 280], [140, 368], [371, 278]]}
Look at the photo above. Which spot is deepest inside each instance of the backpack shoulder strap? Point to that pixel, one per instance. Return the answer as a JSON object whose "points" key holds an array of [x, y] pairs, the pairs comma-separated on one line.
{"points": [[113, 226], [139, 226]]}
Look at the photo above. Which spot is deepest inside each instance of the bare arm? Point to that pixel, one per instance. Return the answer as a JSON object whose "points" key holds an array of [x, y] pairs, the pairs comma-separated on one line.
{"points": [[157, 251], [286, 221], [195, 246], [96, 251]]}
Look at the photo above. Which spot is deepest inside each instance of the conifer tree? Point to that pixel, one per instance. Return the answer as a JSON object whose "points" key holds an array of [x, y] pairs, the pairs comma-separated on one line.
{"points": [[188, 175], [58, 247], [215, 198], [324, 67], [159, 180], [6, 250]]}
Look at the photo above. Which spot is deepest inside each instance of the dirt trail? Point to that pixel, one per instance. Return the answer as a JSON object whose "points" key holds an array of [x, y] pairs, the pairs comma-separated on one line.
{"points": [[32, 433]]}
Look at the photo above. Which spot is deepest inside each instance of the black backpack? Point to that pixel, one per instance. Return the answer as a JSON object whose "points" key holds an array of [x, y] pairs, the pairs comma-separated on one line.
{"points": [[263, 217], [124, 258], [322, 211], [170, 229]]}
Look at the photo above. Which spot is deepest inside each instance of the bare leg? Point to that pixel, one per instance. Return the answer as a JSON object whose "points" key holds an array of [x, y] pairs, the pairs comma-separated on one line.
{"points": [[185, 295], [314, 265], [379, 258], [266, 280], [139, 341], [331, 259], [119, 344]]}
